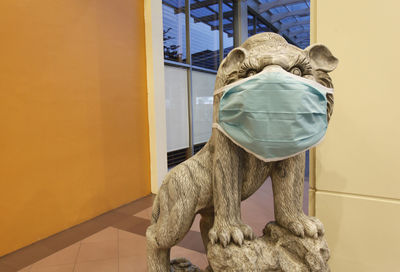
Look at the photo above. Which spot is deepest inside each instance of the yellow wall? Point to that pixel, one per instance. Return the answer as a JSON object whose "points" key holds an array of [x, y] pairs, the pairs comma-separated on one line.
{"points": [[156, 92], [73, 114], [357, 166]]}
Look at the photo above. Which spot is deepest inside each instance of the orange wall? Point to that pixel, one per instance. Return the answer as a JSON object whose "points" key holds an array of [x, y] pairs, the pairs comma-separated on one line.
{"points": [[73, 114]]}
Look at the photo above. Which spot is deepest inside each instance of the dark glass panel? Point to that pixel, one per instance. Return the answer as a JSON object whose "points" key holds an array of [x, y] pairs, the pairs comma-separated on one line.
{"points": [[174, 30]]}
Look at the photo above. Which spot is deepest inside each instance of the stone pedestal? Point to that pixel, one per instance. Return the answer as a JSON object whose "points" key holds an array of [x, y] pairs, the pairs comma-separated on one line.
{"points": [[277, 250]]}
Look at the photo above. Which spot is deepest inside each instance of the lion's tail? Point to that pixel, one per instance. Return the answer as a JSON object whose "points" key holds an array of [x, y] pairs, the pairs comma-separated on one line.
{"points": [[156, 210]]}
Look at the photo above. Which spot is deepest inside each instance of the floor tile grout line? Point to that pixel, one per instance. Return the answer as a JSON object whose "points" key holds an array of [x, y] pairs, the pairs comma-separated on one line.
{"points": [[97, 260], [45, 266], [77, 254]]}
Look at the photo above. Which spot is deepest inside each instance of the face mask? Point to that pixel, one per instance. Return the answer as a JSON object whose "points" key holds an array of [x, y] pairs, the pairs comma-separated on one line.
{"points": [[273, 114]]}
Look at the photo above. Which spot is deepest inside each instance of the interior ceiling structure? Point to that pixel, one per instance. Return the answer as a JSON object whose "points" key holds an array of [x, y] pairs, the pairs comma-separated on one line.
{"points": [[290, 18]]}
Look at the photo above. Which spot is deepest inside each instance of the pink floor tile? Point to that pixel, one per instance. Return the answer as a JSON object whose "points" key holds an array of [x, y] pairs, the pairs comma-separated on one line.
{"points": [[196, 223], [145, 214], [132, 245], [54, 268], [107, 234], [98, 251], [65, 256], [132, 264], [108, 265]]}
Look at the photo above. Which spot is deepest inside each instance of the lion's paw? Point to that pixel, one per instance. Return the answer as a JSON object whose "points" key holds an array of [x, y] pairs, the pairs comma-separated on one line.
{"points": [[304, 225], [224, 233]]}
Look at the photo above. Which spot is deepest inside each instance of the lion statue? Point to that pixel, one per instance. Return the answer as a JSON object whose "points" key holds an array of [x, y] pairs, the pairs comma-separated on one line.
{"points": [[215, 180]]}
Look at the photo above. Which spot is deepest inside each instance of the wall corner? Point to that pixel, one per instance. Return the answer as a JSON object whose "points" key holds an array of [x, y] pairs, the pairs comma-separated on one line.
{"points": [[155, 92]]}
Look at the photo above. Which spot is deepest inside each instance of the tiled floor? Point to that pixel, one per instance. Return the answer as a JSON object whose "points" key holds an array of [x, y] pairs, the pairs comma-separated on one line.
{"points": [[115, 241]]}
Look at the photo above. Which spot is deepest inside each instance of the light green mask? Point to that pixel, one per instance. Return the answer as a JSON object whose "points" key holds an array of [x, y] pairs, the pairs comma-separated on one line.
{"points": [[274, 114]]}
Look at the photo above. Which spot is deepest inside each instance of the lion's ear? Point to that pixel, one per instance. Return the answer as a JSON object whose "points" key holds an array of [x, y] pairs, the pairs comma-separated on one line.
{"points": [[321, 58], [233, 60]]}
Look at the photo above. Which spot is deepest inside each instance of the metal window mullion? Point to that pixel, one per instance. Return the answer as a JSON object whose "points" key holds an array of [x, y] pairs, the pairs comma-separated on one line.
{"points": [[254, 25], [189, 78], [236, 22], [240, 23], [184, 65], [221, 31]]}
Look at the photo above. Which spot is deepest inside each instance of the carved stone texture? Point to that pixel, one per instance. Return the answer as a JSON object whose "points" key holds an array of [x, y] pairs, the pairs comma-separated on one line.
{"points": [[215, 180], [277, 250]]}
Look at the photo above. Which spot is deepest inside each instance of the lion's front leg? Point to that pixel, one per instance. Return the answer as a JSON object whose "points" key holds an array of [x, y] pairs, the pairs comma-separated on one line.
{"points": [[288, 181], [227, 184]]}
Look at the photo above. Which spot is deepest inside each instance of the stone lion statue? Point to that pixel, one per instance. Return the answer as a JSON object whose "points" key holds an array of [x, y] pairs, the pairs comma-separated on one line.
{"points": [[215, 180]]}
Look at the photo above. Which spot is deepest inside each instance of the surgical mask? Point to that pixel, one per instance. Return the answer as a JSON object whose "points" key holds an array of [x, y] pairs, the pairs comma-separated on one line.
{"points": [[274, 114]]}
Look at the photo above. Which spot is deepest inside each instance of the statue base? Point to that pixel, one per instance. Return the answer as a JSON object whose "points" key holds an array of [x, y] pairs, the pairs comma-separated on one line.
{"points": [[277, 250]]}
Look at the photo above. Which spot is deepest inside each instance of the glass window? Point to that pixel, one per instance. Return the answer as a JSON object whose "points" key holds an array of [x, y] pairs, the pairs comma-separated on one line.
{"points": [[204, 35], [203, 88], [204, 49], [227, 9], [291, 20], [174, 30], [251, 25], [211, 39], [261, 27], [176, 104]]}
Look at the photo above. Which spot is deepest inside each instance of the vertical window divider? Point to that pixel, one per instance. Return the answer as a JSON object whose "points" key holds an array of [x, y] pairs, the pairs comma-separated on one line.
{"points": [[240, 24], [254, 25], [190, 151], [221, 31], [236, 22]]}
